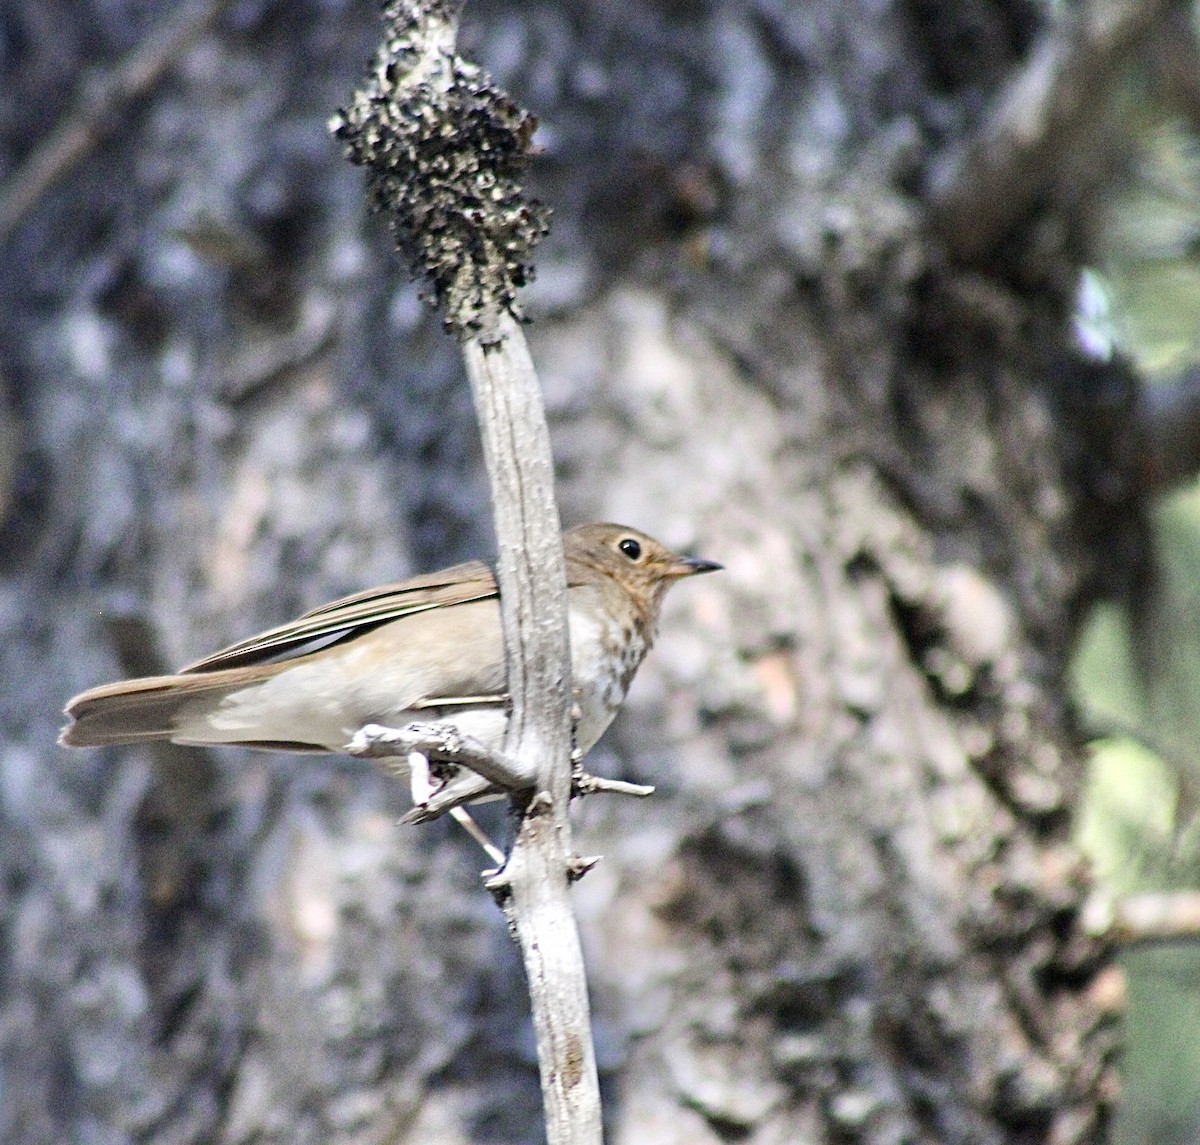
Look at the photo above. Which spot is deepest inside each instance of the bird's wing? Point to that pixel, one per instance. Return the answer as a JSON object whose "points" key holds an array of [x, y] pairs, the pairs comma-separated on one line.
{"points": [[355, 614]]}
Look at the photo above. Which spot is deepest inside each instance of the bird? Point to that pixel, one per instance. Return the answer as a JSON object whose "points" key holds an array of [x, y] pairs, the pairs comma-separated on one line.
{"points": [[428, 649]]}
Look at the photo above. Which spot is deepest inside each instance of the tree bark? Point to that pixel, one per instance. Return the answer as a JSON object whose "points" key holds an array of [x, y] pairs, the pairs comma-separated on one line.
{"points": [[852, 910]]}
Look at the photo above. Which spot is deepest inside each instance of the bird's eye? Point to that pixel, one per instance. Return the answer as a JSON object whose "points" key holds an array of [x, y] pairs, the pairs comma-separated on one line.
{"points": [[630, 548]]}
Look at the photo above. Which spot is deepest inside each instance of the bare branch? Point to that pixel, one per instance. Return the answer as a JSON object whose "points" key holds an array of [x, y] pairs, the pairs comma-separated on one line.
{"points": [[470, 787], [464, 820], [466, 788], [991, 181], [530, 566], [441, 742], [1153, 917], [534, 887], [98, 105]]}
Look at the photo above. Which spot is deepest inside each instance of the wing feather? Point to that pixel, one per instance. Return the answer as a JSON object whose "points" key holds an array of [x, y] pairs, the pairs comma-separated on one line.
{"points": [[354, 614]]}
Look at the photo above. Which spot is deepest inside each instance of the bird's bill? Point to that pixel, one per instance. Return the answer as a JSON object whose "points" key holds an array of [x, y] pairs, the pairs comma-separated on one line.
{"points": [[691, 566]]}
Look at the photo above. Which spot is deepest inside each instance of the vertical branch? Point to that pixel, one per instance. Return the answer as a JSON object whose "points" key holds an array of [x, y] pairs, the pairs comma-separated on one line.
{"points": [[533, 887], [445, 151], [533, 603]]}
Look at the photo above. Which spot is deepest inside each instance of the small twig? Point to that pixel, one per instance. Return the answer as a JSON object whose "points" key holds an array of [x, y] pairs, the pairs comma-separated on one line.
{"points": [[991, 180], [580, 865], [1153, 917], [441, 742], [463, 818], [462, 789], [423, 787], [470, 787], [597, 785], [94, 115]]}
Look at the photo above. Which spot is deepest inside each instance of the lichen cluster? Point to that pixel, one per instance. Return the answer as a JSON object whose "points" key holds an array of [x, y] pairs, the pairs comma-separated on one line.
{"points": [[445, 151]]}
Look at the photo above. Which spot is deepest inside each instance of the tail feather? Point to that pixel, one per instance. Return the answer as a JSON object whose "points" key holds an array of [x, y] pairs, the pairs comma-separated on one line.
{"points": [[138, 711]]}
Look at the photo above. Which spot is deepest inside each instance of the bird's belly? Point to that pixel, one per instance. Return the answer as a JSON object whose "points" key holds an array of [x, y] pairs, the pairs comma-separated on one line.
{"points": [[604, 657], [314, 704]]}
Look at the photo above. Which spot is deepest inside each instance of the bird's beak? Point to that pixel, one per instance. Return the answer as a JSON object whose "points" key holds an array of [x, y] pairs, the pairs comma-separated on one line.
{"points": [[691, 566]]}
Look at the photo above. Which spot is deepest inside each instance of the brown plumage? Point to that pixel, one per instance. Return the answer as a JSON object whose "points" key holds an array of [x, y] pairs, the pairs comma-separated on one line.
{"points": [[429, 648]]}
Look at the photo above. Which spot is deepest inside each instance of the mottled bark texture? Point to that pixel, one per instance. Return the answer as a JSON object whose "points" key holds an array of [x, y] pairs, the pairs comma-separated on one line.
{"points": [[851, 911]]}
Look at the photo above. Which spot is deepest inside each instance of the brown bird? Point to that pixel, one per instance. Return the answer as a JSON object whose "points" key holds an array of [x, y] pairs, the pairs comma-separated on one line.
{"points": [[428, 649]]}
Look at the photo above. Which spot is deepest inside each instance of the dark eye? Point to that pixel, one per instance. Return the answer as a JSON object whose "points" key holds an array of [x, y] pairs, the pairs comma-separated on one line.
{"points": [[630, 548]]}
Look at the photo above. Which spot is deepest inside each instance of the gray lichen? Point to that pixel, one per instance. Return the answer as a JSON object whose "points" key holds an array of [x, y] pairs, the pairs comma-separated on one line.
{"points": [[445, 151]]}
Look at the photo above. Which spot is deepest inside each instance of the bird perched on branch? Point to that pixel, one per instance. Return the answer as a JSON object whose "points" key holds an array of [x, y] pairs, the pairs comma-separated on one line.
{"points": [[428, 649]]}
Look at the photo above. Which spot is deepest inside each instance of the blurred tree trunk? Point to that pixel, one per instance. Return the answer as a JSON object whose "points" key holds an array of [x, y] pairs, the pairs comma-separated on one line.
{"points": [[852, 910]]}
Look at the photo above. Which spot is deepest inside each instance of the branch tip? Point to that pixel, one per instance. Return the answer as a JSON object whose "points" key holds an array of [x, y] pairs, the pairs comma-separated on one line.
{"points": [[585, 784], [580, 865], [445, 151]]}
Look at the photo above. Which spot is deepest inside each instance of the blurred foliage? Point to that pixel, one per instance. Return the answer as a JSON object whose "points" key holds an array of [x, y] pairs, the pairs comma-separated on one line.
{"points": [[1137, 686], [1139, 818], [1151, 270]]}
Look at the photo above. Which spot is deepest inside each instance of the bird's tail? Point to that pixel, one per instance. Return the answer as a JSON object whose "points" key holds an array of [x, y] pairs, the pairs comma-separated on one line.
{"points": [[150, 708]]}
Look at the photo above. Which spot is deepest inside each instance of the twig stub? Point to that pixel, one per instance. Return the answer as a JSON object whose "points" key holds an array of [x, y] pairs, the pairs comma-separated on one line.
{"points": [[445, 150]]}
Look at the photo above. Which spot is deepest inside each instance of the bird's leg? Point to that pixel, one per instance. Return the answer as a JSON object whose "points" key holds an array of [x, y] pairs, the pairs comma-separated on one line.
{"points": [[576, 715], [423, 787], [463, 788], [584, 784]]}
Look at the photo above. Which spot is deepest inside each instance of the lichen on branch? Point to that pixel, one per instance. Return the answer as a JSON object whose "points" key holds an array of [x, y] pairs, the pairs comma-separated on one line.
{"points": [[445, 152]]}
